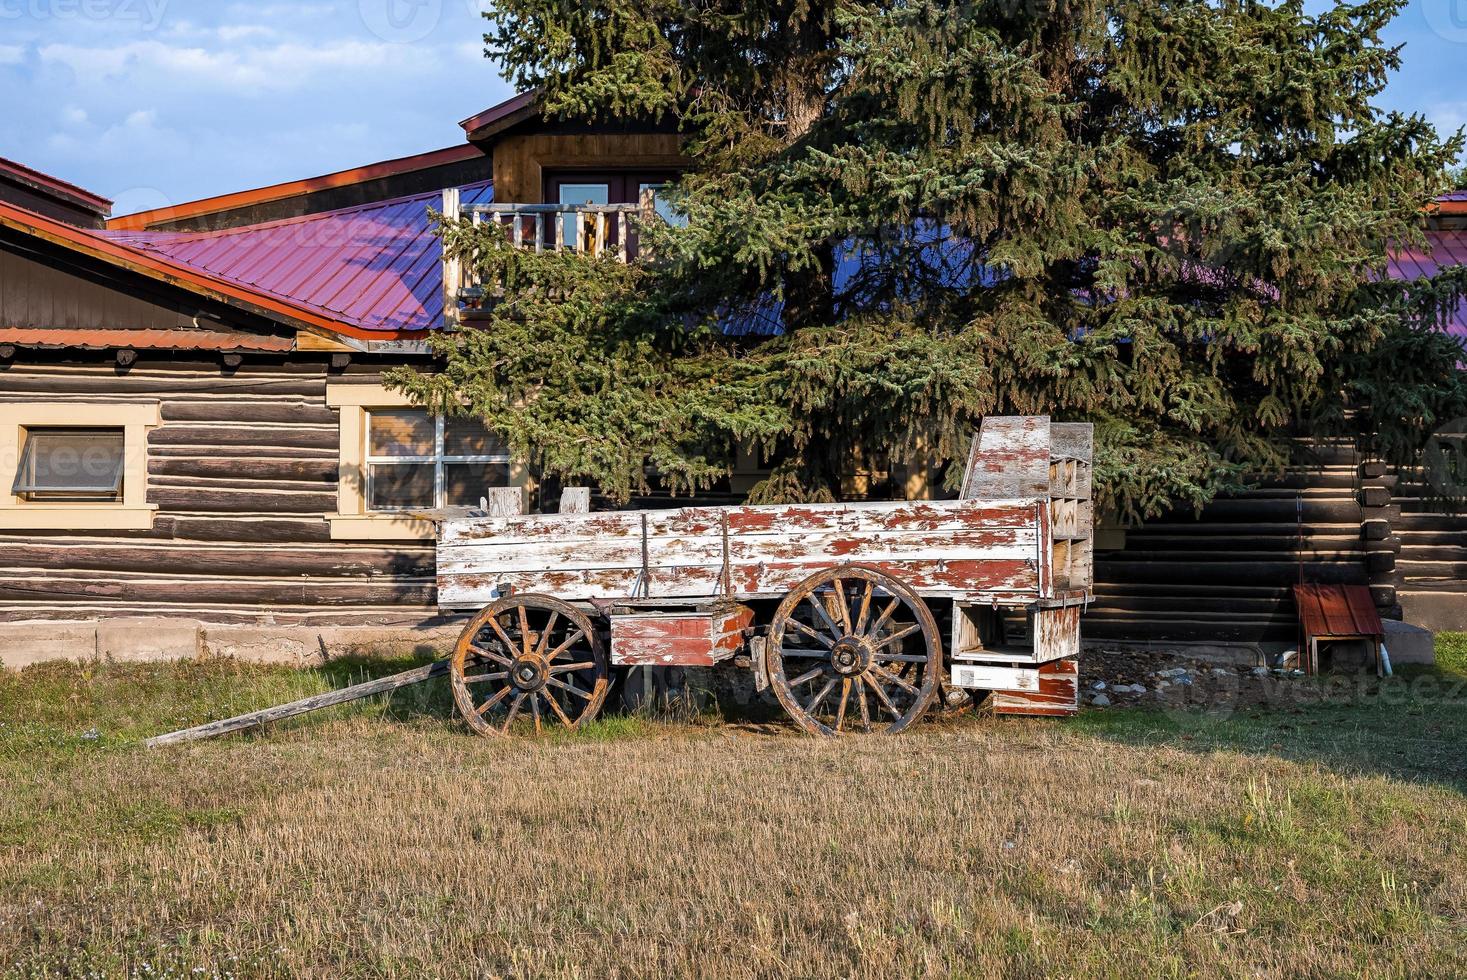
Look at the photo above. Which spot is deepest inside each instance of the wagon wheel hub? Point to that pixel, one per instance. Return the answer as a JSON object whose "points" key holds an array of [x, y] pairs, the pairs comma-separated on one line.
{"points": [[851, 655], [528, 674]]}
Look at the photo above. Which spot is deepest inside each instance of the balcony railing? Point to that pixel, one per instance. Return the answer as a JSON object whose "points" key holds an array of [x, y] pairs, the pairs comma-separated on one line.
{"points": [[589, 229]]}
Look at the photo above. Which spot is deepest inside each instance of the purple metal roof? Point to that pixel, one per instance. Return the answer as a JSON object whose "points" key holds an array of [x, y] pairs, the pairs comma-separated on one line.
{"points": [[376, 266], [1447, 248], [379, 266]]}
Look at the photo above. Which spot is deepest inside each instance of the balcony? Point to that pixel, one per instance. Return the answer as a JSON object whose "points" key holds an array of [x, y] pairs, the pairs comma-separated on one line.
{"points": [[594, 230]]}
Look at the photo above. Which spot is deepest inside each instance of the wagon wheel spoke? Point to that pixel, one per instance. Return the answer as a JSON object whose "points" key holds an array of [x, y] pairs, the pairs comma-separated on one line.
{"points": [[805, 653], [559, 711], [570, 668], [481, 678], [844, 605], [813, 634], [903, 658], [525, 630], [566, 685], [565, 644], [514, 709], [902, 635], [882, 697], [806, 677], [546, 633], [881, 671], [865, 708], [824, 692], [845, 695], [488, 654], [509, 645], [885, 616], [865, 609], [535, 709], [815, 600], [503, 693]]}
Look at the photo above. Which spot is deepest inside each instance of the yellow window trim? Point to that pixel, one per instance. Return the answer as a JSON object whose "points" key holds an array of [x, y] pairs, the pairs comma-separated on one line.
{"points": [[132, 513]]}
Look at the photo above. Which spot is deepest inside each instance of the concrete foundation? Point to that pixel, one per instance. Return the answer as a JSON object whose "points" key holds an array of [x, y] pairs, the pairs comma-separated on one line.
{"points": [[1409, 644], [1441, 612], [142, 639]]}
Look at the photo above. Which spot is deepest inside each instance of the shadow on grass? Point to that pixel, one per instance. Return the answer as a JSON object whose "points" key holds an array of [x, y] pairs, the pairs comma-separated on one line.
{"points": [[1411, 727]]}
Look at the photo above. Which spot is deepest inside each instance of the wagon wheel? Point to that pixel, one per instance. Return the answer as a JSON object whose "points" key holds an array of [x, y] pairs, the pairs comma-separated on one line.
{"points": [[853, 649], [529, 659]]}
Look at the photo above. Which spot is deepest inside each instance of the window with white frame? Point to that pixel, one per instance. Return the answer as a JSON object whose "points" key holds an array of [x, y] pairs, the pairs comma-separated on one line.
{"points": [[419, 461]]}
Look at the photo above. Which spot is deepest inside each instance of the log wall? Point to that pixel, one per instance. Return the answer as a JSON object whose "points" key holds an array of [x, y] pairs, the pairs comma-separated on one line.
{"points": [[1224, 575], [243, 471]]}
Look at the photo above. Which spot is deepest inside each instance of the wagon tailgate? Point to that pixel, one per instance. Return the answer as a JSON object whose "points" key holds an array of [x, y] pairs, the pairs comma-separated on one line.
{"points": [[960, 547]]}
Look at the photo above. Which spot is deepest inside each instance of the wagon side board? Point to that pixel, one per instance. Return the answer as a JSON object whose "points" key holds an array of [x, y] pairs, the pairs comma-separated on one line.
{"points": [[990, 549]]}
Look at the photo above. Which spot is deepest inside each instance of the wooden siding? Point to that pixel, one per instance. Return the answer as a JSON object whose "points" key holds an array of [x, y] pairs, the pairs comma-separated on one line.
{"points": [[243, 471], [521, 160], [37, 296]]}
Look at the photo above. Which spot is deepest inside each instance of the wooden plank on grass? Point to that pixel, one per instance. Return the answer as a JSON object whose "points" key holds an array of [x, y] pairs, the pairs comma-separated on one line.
{"points": [[280, 712]]}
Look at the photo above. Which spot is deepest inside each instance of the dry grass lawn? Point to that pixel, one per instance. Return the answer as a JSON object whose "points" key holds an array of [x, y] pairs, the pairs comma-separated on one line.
{"points": [[383, 840]]}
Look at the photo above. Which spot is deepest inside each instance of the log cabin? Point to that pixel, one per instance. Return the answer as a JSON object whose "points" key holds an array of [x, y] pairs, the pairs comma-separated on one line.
{"points": [[199, 453]]}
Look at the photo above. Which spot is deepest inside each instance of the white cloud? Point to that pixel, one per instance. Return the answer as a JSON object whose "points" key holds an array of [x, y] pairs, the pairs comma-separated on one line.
{"points": [[11, 54], [279, 67]]}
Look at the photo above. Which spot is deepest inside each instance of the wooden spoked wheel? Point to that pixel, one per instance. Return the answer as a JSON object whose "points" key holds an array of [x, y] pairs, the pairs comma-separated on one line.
{"points": [[529, 660], [852, 649]]}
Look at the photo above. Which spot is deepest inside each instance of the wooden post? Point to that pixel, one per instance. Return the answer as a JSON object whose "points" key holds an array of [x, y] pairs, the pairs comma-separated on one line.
{"points": [[505, 501], [575, 500], [452, 266]]}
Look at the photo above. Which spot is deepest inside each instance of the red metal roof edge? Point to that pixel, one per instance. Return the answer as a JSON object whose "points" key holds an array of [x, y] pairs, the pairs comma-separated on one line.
{"points": [[158, 338], [503, 110], [146, 263], [56, 186], [141, 220], [1337, 610]]}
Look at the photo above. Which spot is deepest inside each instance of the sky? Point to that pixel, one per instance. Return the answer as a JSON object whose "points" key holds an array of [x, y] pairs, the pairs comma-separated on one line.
{"points": [[157, 102]]}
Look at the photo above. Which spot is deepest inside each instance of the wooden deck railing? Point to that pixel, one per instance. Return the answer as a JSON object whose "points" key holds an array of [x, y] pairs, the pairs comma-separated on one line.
{"points": [[590, 229]]}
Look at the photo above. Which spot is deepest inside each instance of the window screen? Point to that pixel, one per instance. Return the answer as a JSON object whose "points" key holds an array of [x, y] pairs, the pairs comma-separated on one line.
{"points": [[70, 465]]}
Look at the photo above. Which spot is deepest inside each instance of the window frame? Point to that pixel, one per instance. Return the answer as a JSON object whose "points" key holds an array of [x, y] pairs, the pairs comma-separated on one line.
{"points": [[130, 513], [440, 459], [352, 520]]}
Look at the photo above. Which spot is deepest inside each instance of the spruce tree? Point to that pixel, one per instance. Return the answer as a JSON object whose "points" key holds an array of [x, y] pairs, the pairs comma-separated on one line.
{"points": [[1168, 217]]}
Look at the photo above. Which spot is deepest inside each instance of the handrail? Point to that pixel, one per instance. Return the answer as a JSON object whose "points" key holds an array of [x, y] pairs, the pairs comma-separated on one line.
{"points": [[594, 230]]}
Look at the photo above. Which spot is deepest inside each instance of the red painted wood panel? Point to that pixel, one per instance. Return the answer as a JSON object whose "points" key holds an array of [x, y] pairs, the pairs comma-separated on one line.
{"points": [[663, 639], [1058, 695]]}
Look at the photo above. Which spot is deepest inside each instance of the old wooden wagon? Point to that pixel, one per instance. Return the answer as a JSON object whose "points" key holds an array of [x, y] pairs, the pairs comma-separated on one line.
{"points": [[845, 610]]}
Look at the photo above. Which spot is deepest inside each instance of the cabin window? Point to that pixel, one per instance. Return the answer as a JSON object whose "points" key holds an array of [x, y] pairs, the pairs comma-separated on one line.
{"points": [[416, 461], [72, 465], [76, 466], [398, 463], [663, 206]]}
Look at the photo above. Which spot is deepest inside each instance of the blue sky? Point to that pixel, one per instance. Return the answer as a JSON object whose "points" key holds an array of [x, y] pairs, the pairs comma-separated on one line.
{"points": [[152, 102]]}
